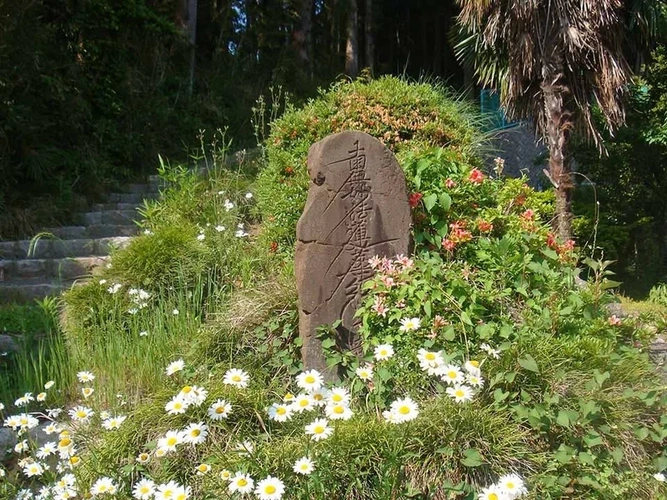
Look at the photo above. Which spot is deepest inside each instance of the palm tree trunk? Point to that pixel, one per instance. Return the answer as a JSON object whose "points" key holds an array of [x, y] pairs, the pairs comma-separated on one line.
{"points": [[558, 134]]}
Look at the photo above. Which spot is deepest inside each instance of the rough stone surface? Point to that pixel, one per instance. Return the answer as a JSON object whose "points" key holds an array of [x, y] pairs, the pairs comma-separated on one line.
{"points": [[7, 442], [7, 343], [357, 207]]}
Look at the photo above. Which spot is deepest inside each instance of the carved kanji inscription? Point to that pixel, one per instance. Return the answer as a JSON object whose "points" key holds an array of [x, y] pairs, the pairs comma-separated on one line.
{"points": [[357, 207]]}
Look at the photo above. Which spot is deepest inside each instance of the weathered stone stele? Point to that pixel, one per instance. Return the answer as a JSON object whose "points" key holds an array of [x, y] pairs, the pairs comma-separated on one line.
{"points": [[357, 208]]}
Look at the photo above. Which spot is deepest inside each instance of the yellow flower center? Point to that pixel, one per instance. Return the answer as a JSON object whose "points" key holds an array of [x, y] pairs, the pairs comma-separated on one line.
{"points": [[303, 403], [203, 468], [281, 410], [242, 482], [429, 356], [339, 409], [65, 443], [186, 389], [145, 490], [304, 466], [195, 432], [474, 363], [509, 486], [168, 494], [493, 496], [318, 430], [236, 378], [182, 496], [337, 398], [220, 409], [452, 374], [317, 397], [310, 379], [172, 441], [404, 410], [269, 489], [383, 352], [103, 488], [74, 460], [459, 393], [81, 414]]}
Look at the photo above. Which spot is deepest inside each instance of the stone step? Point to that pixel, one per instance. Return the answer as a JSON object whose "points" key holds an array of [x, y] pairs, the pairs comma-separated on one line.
{"points": [[101, 207], [59, 249], [29, 289], [63, 269], [112, 217], [91, 232], [134, 198]]}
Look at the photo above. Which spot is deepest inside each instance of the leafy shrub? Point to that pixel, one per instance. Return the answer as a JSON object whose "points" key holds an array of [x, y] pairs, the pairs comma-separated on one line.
{"points": [[658, 294], [405, 117]]}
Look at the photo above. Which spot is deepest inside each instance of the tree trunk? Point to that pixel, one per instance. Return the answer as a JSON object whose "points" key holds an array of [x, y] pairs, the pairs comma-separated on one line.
{"points": [[302, 37], [558, 126], [192, 38], [352, 45], [369, 39]]}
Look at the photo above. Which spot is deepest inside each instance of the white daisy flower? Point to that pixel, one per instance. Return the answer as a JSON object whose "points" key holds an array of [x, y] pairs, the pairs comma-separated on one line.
{"points": [[365, 372], [52, 428], [113, 423], [410, 324], [81, 414], [41, 396], [170, 440], [172, 491], [160, 452], [143, 333], [144, 489], [21, 446], [304, 466], [201, 236], [87, 392], [339, 395], [47, 449], [460, 393], [310, 380], [319, 429], [228, 205], [383, 352], [430, 361], [241, 483], [195, 433], [404, 409], [105, 415], [220, 228], [104, 485], [202, 469], [659, 476], [475, 380], [303, 402], [33, 469], [236, 377], [175, 366], [270, 488], [320, 396], [85, 377], [225, 474], [338, 411], [492, 493], [65, 447], [512, 485], [451, 374], [143, 458], [25, 399], [219, 410], [280, 412], [175, 312], [472, 367], [49, 384], [248, 196], [176, 406]]}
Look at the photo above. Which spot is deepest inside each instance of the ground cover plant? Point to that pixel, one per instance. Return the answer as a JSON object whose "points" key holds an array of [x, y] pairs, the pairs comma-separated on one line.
{"points": [[487, 372]]}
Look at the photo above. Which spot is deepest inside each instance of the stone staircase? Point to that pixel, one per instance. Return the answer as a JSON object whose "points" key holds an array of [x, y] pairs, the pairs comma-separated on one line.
{"points": [[48, 265]]}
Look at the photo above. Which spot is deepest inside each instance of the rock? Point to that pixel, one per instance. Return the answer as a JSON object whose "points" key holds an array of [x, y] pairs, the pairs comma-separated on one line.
{"points": [[7, 442], [7, 343], [357, 208]]}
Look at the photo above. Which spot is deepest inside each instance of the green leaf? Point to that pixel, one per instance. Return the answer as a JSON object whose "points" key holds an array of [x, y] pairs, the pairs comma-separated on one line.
{"points": [[465, 318], [563, 419], [641, 433], [427, 308], [529, 363], [617, 455], [600, 377], [429, 201], [445, 201], [472, 458], [449, 334], [586, 458]]}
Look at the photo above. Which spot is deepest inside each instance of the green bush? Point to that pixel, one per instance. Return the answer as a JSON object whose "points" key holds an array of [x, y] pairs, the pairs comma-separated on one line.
{"points": [[406, 117]]}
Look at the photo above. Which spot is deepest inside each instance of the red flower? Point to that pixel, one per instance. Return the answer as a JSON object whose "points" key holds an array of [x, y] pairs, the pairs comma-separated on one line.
{"points": [[450, 184], [551, 241], [520, 200], [414, 199], [289, 170], [476, 176], [568, 246], [528, 215], [274, 247], [448, 245], [485, 226]]}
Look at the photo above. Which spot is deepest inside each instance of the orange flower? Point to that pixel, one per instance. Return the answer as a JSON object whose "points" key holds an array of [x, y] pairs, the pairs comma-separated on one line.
{"points": [[476, 176]]}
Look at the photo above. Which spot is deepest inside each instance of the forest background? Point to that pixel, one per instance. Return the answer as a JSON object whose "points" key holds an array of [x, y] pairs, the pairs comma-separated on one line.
{"points": [[92, 91]]}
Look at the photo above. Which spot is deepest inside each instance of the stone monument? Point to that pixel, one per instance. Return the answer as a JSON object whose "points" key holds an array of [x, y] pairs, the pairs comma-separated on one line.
{"points": [[357, 208]]}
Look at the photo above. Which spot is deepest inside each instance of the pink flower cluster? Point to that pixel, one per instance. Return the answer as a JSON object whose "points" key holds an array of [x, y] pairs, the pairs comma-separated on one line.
{"points": [[389, 273]]}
